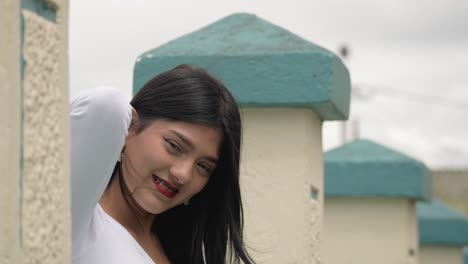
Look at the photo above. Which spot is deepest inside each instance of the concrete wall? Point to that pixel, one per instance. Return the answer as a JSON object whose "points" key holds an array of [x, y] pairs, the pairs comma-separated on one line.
{"points": [[34, 196], [440, 254], [10, 116], [46, 195], [282, 161], [370, 230], [451, 186]]}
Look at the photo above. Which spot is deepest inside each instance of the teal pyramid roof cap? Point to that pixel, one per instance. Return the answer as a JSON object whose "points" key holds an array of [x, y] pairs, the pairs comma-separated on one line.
{"points": [[235, 35], [365, 168], [262, 64], [441, 225]]}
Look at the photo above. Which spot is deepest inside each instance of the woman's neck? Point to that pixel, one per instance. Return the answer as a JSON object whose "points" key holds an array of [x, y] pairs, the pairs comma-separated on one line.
{"points": [[137, 222], [128, 214]]}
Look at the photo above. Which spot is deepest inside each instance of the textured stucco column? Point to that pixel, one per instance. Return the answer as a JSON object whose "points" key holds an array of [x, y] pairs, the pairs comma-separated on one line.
{"points": [[282, 161], [287, 87], [45, 181], [10, 123], [370, 204], [443, 232]]}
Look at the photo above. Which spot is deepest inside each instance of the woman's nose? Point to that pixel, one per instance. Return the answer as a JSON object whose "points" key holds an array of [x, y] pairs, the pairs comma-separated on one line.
{"points": [[181, 171]]}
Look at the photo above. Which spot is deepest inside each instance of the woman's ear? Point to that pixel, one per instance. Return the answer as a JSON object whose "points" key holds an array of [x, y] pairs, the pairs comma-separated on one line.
{"points": [[135, 121]]}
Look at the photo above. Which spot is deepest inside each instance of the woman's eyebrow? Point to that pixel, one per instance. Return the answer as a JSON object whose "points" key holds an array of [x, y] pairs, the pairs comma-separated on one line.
{"points": [[183, 138], [190, 144], [212, 159]]}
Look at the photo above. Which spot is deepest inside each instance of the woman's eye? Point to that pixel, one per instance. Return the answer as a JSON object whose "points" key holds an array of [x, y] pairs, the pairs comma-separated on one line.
{"points": [[174, 147], [206, 168]]}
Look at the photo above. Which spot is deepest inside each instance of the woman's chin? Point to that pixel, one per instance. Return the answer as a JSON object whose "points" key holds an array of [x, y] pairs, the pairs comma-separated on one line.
{"points": [[152, 205]]}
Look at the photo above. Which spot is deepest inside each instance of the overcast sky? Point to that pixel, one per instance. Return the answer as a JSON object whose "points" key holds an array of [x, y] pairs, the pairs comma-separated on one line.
{"points": [[408, 62]]}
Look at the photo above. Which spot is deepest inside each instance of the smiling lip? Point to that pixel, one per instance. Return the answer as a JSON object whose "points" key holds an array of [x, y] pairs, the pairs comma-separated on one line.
{"points": [[164, 187]]}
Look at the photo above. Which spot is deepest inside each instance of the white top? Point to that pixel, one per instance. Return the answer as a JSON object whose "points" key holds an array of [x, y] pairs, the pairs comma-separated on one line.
{"points": [[99, 122]]}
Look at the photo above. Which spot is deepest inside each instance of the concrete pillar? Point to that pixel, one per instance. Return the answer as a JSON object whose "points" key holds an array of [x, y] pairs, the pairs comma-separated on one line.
{"points": [[286, 87], [465, 255], [370, 208], [35, 195], [281, 163], [46, 213], [451, 188], [10, 116], [443, 233]]}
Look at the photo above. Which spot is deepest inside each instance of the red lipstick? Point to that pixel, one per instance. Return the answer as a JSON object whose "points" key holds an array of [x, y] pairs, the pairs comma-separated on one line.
{"points": [[165, 187]]}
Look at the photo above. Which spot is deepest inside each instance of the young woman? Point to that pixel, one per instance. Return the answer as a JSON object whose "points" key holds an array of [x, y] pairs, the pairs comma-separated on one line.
{"points": [[157, 180]]}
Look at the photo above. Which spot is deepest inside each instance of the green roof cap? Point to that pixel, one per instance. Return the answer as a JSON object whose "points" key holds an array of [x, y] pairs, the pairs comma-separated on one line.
{"points": [[441, 225], [363, 168], [263, 65]]}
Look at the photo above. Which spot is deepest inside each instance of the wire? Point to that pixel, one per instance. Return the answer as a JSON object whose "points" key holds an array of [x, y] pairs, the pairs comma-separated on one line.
{"points": [[415, 96]]}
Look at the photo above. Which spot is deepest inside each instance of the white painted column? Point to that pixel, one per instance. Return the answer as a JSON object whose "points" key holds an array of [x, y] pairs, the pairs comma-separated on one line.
{"points": [[370, 230], [441, 254], [281, 162]]}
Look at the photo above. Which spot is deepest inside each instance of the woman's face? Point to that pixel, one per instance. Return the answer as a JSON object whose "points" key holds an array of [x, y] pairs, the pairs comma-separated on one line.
{"points": [[169, 162]]}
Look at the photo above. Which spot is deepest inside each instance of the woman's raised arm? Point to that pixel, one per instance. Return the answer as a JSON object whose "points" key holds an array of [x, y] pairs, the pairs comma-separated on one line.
{"points": [[99, 122]]}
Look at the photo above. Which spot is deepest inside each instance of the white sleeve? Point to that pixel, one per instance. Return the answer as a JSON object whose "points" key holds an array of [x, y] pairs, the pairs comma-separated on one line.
{"points": [[99, 122]]}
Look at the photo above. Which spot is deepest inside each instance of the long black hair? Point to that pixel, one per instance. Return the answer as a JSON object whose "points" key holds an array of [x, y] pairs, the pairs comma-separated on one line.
{"points": [[210, 229]]}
